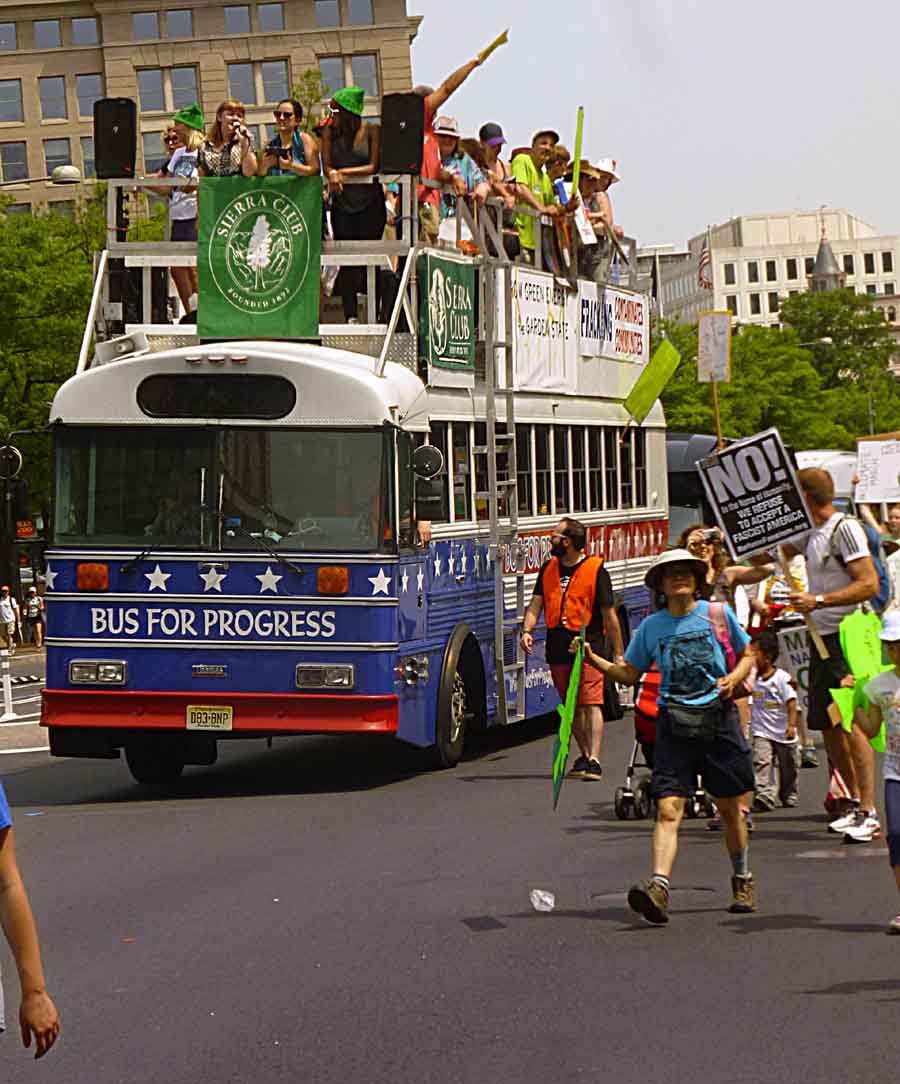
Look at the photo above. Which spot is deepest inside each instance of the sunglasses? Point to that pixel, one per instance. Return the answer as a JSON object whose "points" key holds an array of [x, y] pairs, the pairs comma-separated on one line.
{"points": [[699, 545], [170, 139], [278, 114]]}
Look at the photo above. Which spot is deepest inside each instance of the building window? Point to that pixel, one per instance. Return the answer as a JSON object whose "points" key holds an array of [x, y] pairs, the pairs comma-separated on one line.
{"points": [[729, 274], [184, 87], [237, 19], [891, 313], [595, 467], [17, 209], [328, 13], [276, 84], [53, 96], [359, 12], [145, 25], [150, 90], [180, 24], [57, 152], [808, 264], [869, 263], [241, 85], [65, 208], [773, 302], [154, 152], [562, 499], [731, 303], [331, 70], [364, 73], [523, 468], [871, 288], [849, 267], [87, 156], [755, 308], [793, 293], [267, 133], [887, 262], [10, 99], [791, 268], [771, 271], [84, 31], [752, 271], [88, 88], [542, 468], [7, 36], [889, 289], [47, 34], [13, 161], [270, 17]]}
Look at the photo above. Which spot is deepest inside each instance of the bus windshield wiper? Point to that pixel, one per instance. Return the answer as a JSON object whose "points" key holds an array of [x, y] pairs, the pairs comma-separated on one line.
{"points": [[263, 544], [131, 565]]}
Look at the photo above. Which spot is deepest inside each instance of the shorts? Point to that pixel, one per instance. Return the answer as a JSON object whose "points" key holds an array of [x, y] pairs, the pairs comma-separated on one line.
{"points": [[591, 692], [184, 229], [892, 816], [725, 764], [824, 674], [429, 223]]}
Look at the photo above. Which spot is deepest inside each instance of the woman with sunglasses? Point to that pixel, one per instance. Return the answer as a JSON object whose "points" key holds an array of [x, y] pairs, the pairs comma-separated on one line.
{"points": [[352, 149], [171, 141], [722, 579], [228, 149], [291, 152]]}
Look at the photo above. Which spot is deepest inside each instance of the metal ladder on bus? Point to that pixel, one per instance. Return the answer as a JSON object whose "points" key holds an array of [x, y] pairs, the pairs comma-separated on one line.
{"points": [[504, 540]]}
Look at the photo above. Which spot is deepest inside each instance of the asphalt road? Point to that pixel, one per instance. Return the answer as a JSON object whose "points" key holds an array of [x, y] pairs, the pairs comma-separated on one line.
{"points": [[327, 911]]}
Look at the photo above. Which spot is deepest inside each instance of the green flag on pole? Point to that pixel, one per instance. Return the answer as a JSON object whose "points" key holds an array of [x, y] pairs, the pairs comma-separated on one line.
{"points": [[650, 384], [567, 717], [258, 257]]}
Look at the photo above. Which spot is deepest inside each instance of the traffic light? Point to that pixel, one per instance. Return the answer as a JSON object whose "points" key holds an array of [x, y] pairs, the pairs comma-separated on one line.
{"points": [[19, 490]]}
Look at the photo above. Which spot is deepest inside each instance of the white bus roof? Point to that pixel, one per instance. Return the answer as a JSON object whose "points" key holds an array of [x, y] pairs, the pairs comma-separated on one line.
{"points": [[334, 387]]}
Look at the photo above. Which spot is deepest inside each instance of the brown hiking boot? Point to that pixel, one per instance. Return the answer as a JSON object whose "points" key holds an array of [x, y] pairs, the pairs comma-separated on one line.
{"points": [[650, 900], [742, 899]]}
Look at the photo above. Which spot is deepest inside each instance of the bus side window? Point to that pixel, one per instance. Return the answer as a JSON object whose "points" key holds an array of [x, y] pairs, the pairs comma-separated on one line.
{"points": [[462, 490], [482, 508], [626, 462], [611, 465], [523, 470], [579, 497], [405, 490], [542, 461], [439, 500], [595, 467], [640, 467], [562, 499]]}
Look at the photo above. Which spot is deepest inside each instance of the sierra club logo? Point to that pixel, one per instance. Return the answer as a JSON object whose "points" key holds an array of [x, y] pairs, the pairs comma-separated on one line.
{"points": [[437, 312], [450, 312], [265, 239]]}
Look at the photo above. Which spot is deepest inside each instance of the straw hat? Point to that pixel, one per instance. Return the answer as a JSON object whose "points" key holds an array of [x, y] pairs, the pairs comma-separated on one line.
{"points": [[653, 579]]}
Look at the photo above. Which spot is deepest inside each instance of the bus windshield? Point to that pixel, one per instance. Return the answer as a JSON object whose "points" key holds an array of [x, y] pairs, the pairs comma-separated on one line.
{"points": [[210, 489]]}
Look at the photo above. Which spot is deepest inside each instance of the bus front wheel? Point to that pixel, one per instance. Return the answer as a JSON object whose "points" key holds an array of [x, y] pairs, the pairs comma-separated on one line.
{"points": [[459, 697], [154, 759]]}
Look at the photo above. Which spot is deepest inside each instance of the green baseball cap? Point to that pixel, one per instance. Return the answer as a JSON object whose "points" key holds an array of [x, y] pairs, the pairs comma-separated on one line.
{"points": [[191, 115], [351, 98]]}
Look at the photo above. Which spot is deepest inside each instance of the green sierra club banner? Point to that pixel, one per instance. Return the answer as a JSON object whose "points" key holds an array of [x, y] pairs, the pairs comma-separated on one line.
{"points": [[447, 312], [258, 257]]}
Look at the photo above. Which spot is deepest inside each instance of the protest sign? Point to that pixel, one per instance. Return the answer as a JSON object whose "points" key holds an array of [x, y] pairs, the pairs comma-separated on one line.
{"points": [[878, 468], [754, 494], [714, 347], [613, 323], [650, 384], [793, 656], [545, 332]]}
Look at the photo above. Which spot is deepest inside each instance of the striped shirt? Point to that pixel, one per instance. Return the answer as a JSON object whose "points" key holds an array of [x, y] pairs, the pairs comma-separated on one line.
{"points": [[825, 564]]}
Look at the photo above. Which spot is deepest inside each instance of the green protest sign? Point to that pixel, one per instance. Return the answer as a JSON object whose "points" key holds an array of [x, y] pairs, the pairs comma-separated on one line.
{"points": [[258, 257], [566, 719], [650, 384], [447, 312]]}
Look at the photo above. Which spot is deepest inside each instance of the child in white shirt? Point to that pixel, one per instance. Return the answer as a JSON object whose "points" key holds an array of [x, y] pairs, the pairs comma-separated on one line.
{"points": [[773, 727], [883, 692]]}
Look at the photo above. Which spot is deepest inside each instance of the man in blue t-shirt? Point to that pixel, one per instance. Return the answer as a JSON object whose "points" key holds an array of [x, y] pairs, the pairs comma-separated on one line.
{"points": [[37, 1013], [700, 651]]}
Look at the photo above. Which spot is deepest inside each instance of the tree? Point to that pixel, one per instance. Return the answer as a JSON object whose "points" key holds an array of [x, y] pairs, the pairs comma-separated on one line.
{"points": [[310, 90]]}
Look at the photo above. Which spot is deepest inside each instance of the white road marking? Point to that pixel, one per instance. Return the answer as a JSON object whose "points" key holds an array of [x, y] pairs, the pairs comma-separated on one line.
{"points": [[31, 749]]}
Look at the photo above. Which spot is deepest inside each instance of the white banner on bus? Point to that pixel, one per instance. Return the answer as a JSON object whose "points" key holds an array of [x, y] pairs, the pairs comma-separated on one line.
{"points": [[545, 332], [613, 324]]}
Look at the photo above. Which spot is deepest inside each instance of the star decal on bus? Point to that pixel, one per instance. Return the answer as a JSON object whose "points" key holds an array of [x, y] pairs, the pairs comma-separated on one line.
{"points": [[420, 579], [477, 562], [268, 581], [437, 564], [404, 581], [464, 562], [451, 561], [50, 578], [379, 583], [157, 579], [212, 580]]}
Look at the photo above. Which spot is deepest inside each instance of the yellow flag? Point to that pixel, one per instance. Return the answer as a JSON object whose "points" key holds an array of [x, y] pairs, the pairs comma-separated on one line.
{"points": [[501, 39]]}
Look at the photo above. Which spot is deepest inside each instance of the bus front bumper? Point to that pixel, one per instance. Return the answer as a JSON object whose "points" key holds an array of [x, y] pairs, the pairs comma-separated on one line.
{"points": [[253, 714]]}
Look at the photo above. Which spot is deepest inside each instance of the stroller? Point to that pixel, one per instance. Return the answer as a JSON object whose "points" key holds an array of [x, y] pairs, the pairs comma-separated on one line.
{"points": [[635, 799]]}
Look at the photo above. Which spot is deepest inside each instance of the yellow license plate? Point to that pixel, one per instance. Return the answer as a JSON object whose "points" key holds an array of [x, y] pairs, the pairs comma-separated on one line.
{"points": [[209, 717]]}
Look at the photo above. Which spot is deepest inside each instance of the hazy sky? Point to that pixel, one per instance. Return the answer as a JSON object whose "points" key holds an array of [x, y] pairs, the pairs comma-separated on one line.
{"points": [[711, 109]]}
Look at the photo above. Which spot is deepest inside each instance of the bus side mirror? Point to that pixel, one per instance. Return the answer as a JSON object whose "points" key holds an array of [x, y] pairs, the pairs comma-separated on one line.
{"points": [[427, 461]]}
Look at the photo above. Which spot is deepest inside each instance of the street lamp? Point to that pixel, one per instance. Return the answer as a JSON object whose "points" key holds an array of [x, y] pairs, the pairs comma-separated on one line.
{"points": [[61, 175]]}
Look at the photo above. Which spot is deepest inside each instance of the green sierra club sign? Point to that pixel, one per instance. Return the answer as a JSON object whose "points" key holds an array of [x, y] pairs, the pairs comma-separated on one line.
{"points": [[447, 312], [258, 257]]}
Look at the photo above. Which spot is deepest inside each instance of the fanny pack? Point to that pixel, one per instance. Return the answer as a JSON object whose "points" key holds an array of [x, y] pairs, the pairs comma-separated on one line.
{"points": [[695, 724]]}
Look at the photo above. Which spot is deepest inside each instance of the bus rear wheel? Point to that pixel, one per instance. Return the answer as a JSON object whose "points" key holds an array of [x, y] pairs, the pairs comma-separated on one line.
{"points": [[154, 759]]}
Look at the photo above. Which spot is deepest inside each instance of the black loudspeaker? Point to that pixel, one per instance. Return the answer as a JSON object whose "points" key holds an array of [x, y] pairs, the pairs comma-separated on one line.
{"points": [[402, 133], [115, 137]]}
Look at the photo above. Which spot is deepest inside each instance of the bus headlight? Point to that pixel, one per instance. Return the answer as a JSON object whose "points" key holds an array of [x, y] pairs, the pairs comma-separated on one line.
{"points": [[313, 676], [100, 672], [413, 669]]}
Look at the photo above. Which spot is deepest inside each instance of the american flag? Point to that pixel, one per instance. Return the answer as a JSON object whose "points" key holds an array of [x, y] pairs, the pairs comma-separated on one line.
{"points": [[704, 269]]}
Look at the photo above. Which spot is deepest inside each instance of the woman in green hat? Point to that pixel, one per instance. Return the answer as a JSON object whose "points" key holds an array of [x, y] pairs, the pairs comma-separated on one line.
{"points": [[358, 213], [187, 125]]}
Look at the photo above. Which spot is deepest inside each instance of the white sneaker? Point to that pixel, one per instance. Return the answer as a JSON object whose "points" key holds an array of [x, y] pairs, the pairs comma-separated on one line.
{"points": [[865, 830], [894, 925], [842, 823]]}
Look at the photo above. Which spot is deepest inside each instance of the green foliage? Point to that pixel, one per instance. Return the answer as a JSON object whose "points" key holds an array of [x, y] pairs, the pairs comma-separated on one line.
{"points": [[817, 394], [45, 283], [309, 91]]}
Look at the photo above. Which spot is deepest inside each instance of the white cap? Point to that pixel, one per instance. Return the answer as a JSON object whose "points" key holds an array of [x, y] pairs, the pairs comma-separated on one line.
{"points": [[890, 626]]}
